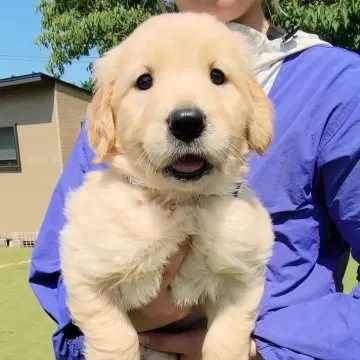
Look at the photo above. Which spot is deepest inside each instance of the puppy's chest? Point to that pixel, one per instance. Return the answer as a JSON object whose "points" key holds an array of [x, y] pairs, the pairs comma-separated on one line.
{"points": [[154, 223], [147, 247], [177, 221], [150, 227]]}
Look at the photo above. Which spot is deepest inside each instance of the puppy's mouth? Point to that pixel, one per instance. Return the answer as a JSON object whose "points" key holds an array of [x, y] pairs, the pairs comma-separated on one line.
{"points": [[189, 168]]}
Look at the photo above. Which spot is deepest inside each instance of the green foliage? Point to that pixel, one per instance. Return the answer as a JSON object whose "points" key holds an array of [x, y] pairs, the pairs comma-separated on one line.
{"points": [[71, 28], [335, 21], [88, 84]]}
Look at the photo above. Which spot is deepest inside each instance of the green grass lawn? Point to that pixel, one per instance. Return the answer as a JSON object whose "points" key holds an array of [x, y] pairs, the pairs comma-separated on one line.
{"points": [[25, 330], [350, 276]]}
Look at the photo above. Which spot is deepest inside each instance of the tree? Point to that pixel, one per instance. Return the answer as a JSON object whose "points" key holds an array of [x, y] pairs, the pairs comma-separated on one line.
{"points": [[88, 85], [71, 28], [336, 21]]}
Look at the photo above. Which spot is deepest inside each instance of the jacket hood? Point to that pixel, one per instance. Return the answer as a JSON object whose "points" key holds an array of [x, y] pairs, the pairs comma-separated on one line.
{"points": [[268, 55]]}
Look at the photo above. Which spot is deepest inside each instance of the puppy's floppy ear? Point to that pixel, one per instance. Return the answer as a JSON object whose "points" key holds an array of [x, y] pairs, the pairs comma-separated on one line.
{"points": [[260, 126], [101, 128]]}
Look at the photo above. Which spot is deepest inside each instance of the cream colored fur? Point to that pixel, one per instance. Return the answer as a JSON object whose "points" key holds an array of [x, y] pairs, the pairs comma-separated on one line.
{"points": [[119, 236]]}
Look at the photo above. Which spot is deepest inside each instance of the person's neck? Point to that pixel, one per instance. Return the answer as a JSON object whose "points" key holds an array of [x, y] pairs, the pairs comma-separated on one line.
{"points": [[255, 18]]}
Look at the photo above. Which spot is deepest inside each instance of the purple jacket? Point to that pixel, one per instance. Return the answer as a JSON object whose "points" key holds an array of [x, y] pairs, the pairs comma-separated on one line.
{"points": [[310, 183]]}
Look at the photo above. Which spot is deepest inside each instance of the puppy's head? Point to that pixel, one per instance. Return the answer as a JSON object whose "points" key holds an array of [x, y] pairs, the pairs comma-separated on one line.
{"points": [[177, 105]]}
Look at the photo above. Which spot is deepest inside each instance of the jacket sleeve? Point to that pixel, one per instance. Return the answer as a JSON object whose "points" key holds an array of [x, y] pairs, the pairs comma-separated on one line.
{"points": [[45, 278], [327, 328]]}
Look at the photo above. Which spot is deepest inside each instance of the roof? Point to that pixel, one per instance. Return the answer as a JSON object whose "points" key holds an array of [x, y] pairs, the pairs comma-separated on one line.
{"points": [[34, 78]]}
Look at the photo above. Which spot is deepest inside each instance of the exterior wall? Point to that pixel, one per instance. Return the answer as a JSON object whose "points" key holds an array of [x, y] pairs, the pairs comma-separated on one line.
{"points": [[25, 194], [71, 104]]}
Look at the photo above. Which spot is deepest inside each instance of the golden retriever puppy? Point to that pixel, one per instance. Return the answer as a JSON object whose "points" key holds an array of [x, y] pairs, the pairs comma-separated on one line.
{"points": [[175, 115]]}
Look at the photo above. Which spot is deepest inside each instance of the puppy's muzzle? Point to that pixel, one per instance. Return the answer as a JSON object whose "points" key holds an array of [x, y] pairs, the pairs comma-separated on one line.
{"points": [[187, 124]]}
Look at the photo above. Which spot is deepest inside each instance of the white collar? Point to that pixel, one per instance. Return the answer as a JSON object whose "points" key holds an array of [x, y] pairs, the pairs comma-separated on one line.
{"points": [[263, 47], [268, 55]]}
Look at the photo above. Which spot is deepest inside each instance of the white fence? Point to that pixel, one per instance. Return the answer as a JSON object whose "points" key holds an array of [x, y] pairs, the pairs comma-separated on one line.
{"points": [[19, 239]]}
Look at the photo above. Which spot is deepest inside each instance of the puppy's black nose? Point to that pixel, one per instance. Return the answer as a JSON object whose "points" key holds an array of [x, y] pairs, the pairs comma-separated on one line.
{"points": [[187, 124]]}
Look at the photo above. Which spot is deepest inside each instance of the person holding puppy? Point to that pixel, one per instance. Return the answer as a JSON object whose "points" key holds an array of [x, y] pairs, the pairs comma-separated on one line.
{"points": [[308, 181]]}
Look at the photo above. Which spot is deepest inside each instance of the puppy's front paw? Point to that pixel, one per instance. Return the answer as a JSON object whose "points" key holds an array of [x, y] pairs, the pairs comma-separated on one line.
{"points": [[221, 351], [130, 353], [148, 354]]}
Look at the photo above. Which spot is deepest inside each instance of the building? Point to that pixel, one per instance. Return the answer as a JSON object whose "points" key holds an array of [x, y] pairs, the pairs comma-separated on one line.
{"points": [[40, 119]]}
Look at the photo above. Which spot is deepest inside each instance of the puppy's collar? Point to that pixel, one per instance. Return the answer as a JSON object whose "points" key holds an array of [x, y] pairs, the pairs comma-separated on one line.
{"points": [[239, 189], [136, 182]]}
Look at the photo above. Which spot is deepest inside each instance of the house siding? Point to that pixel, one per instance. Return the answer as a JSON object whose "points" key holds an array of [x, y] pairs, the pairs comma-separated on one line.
{"points": [[25, 194], [71, 106]]}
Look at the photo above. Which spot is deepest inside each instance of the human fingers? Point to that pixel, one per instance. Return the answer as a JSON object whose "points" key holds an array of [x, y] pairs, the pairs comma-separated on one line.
{"points": [[187, 343], [157, 316]]}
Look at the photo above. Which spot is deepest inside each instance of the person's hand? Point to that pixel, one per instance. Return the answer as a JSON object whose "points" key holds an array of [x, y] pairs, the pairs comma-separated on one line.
{"points": [[161, 311], [254, 355], [187, 344]]}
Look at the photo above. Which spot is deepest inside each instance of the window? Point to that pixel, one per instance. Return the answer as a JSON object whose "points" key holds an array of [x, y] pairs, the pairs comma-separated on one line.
{"points": [[9, 149]]}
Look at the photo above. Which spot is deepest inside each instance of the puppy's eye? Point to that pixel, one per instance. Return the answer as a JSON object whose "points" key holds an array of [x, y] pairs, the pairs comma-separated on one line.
{"points": [[144, 82], [217, 77]]}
